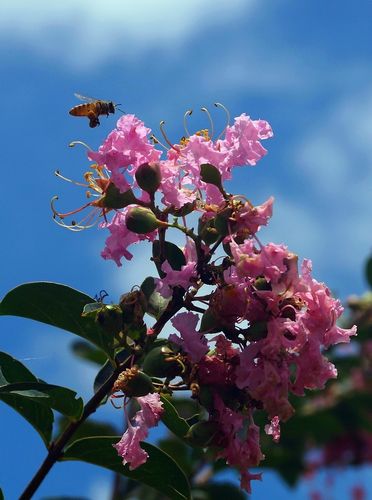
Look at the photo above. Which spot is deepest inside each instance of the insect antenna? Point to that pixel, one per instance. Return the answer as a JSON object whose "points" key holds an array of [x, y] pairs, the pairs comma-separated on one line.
{"points": [[117, 107]]}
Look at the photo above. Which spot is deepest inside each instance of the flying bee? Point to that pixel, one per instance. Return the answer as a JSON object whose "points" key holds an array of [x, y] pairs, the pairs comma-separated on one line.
{"points": [[92, 109]]}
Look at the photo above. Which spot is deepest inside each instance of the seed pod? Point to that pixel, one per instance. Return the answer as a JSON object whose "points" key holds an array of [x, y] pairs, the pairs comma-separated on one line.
{"points": [[148, 176], [114, 199], [142, 220]]}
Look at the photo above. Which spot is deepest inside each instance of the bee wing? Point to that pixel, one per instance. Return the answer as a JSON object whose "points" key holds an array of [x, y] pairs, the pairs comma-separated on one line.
{"points": [[85, 98]]}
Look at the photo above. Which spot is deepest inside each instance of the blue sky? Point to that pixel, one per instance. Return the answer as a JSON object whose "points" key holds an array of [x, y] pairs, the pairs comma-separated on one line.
{"points": [[303, 66]]}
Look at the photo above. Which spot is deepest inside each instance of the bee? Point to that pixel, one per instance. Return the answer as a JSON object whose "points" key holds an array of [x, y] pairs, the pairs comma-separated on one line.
{"points": [[92, 109]]}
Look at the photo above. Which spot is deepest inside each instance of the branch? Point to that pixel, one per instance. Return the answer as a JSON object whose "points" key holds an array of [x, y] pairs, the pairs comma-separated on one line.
{"points": [[56, 448]]}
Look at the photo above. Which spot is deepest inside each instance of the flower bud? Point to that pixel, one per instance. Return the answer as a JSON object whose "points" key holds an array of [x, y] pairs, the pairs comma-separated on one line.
{"points": [[202, 433], [161, 362], [148, 176], [133, 383], [114, 199], [142, 220]]}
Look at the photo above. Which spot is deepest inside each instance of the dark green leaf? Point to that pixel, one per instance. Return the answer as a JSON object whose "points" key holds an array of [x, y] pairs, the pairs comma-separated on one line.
{"points": [[160, 471], [180, 452], [53, 396], [172, 420], [38, 415], [85, 350], [1, 494], [14, 371], [369, 271], [56, 305], [170, 252], [88, 428], [219, 491]]}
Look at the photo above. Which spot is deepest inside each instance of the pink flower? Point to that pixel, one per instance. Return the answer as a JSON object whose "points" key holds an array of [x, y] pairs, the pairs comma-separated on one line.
{"points": [[175, 187], [127, 145], [121, 238], [252, 218], [322, 311], [197, 151], [129, 445], [245, 480], [175, 278], [273, 429], [313, 369], [239, 442], [191, 341], [242, 141], [151, 409], [268, 262]]}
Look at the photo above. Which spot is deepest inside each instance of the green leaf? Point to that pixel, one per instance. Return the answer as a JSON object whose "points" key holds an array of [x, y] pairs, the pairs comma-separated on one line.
{"points": [[219, 491], [369, 271], [170, 252], [86, 351], [172, 419], [56, 305], [160, 471], [53, 396], [1, 494], [88, 428], [38, 415]]}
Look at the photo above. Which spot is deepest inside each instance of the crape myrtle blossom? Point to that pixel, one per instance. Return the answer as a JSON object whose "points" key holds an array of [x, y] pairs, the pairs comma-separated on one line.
{"points": [[121, 238], [253, 338], [129, 445], [124, 149]]}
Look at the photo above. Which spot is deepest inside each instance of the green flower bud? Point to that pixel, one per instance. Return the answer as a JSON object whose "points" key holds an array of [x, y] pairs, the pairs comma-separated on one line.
{"points": [[148, 176], [142, 220], [161, 362], [114, 199], [133, 383]]}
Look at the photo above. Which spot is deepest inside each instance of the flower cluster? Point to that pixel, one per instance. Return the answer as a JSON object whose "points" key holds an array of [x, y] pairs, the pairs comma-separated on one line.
{"points": [[259, 333]]}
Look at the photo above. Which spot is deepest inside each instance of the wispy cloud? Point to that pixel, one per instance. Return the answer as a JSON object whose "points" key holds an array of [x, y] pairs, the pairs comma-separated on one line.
{"points": [[86, 32]]}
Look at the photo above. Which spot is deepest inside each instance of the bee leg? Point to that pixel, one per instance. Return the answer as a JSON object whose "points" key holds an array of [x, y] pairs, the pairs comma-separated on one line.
{"points": [[93, 120]]}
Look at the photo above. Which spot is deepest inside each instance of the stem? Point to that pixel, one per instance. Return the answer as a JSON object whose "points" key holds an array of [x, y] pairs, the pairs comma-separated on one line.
{"points": [[56, 448]]}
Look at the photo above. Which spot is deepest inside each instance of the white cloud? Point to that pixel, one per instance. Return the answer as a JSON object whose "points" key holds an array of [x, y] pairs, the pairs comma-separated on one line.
{"points": [[334, 158], [85, 32]]}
